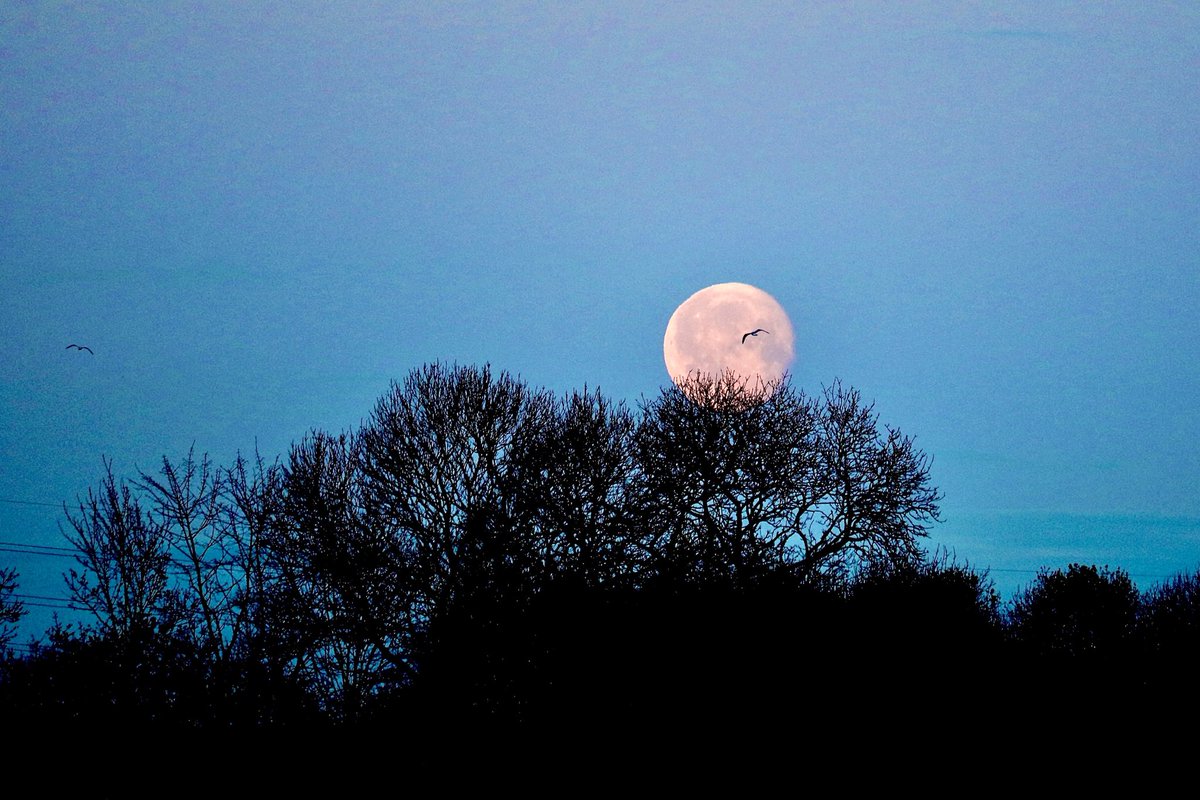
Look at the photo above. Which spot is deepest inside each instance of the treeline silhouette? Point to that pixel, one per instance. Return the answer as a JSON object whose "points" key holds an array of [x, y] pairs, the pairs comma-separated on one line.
{"points": [[482, 553]]}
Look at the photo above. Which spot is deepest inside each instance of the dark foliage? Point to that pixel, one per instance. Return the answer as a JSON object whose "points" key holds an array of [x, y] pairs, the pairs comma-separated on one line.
{"points": [[1169, 639], [145, 679], [927, 613], [1086, 613], [1073, 638], [482, 555]]}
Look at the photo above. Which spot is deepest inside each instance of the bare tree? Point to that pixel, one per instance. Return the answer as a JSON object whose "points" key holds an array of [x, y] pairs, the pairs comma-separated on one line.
{"points": [[578, 482], [341, 586], [123, 558], [411, 545], [186, 505], [441, 459], [253, 505], [458, 545], [226, 589], [875, 499], [750, 479]]}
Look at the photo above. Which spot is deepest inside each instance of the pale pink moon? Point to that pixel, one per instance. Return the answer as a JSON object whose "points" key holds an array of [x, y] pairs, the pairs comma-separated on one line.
{"points": [[705, 335]]}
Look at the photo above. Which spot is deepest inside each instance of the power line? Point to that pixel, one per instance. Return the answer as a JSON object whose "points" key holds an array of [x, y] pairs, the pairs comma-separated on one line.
{"points": [[55, 602], [39, 546], [41, 597], [62, 606], [33, 552], [29, 502]]}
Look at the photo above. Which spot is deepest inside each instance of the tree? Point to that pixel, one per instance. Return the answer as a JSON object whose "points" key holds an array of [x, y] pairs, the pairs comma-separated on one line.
{"points": [[1169, 619], [1072, 639], [142, 665], [1086, 612], [440, 459], [925, 617], [262, 640], [445, 476], [752, 480], [577, 481], [470, 548], [1169, 635], [11, 609], [213, 524], [341, 586], [186, 507], [124, 561], [175, 571]]}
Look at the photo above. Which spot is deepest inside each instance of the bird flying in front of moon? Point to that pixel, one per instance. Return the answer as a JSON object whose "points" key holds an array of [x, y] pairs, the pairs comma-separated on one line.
{"points": [[754, 332], [702, 336], [80, 347]]}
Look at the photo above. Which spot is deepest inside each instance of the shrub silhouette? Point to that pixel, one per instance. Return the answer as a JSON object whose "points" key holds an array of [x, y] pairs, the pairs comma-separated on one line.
{"points": [[1086, 612], [1169, 635], [1073, 636], [928, 609]]}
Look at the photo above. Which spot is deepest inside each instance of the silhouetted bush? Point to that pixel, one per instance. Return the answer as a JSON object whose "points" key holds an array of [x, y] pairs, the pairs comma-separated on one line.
{"points": [[926, 611], [1073, 636], [1169, 634], [146, 679], [1085, 612]]}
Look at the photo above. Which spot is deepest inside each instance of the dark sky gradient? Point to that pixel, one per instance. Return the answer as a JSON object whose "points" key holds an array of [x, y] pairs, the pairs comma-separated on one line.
{"points": [[986, 217]]}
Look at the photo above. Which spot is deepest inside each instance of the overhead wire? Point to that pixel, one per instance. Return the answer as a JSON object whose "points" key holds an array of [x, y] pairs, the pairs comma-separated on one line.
{"points": [[29, 502], [22, 595], [31, 552], [39, 546]]}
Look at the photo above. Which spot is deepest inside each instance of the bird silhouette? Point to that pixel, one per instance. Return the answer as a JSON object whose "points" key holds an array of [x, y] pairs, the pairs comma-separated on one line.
{"points": [[754, 332], [80, 347]]}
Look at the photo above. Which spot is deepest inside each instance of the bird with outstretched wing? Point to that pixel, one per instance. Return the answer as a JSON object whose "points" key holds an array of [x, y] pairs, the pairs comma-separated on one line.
{"points": [[754, 332], [80, 347]]}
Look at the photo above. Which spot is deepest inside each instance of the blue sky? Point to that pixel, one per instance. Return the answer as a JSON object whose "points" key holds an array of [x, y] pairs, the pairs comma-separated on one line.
{"points": [[984, 216]]}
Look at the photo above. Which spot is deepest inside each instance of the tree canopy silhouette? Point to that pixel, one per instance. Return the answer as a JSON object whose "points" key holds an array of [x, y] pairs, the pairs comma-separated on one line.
{"points": [[749, 480], [476, 540], [1084, 612], [123, 557]]}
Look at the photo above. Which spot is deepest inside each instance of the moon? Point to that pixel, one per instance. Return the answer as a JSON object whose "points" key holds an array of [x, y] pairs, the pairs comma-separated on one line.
{"points": [[705, 335]]}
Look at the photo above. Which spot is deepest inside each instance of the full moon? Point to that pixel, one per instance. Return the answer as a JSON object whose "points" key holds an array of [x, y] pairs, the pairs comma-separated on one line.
{"points": [[711, 334]]}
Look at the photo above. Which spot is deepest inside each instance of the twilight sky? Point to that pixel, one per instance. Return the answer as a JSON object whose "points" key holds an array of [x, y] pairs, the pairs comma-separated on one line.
{"points": [[985, 216]]}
